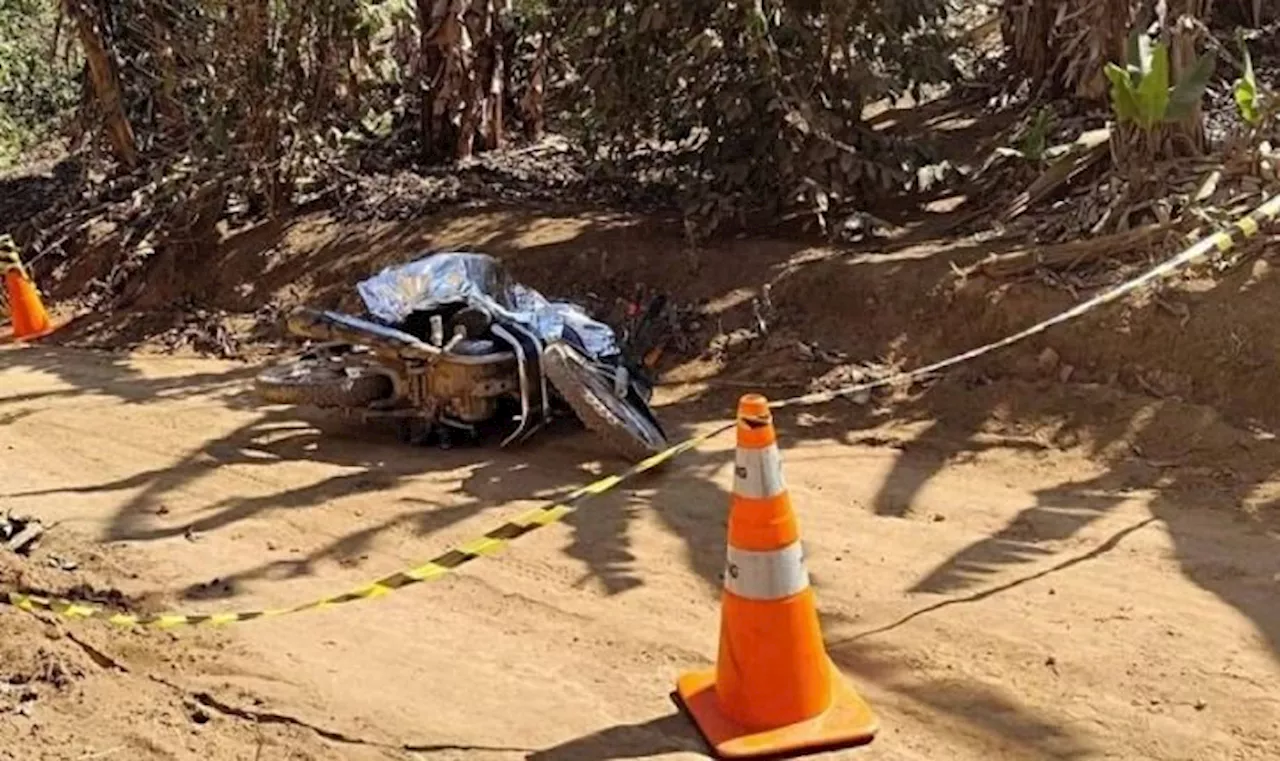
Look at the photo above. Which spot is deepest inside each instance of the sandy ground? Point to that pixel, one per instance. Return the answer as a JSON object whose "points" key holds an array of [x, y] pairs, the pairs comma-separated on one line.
{"points": [[1006, 602]]}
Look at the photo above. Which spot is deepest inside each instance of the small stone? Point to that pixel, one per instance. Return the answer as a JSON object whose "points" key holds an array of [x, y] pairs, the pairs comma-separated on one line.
{"points": [[1048, 361], [1201, 705], [63, 564], [938, 518]]}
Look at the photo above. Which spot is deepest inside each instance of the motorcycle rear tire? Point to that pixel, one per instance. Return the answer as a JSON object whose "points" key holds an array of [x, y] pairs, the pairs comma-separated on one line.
{"points": [[317, 383], [626, 430]]}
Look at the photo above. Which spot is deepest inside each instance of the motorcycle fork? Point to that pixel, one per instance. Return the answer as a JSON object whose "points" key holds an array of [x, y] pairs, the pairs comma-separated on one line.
{"points": [[535, 404]]}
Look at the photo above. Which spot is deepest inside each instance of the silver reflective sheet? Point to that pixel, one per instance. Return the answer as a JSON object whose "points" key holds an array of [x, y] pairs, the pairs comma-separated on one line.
{"points": [[478, 280]]}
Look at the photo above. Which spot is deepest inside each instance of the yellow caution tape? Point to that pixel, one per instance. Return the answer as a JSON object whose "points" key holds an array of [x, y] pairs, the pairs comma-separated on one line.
{"points": [[491, 542], [498, 538]]}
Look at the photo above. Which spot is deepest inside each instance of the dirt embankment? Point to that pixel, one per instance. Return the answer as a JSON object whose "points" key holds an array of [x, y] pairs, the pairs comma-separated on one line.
{"points": [[1208, 340]]}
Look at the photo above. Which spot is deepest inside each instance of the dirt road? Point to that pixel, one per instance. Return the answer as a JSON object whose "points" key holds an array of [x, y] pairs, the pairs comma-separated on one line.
{"points": [[995, 598]]}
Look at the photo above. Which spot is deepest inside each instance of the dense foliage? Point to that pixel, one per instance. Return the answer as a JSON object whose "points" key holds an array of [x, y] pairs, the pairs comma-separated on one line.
{"points": [[752, 109], [37, 84], [758, 104], [272, 88], [752, 106]]}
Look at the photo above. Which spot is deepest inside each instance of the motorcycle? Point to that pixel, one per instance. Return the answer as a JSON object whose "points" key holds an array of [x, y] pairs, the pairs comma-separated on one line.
{"points": [[451, 347]]}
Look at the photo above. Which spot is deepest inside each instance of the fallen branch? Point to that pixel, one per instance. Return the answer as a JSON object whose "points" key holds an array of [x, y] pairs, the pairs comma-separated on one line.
{"points": [[1089, 149], [1070, 255]]}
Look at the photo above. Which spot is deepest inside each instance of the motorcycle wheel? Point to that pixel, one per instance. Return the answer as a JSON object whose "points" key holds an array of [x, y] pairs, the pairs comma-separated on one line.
{"points": [[320, 382], [626, 430]]}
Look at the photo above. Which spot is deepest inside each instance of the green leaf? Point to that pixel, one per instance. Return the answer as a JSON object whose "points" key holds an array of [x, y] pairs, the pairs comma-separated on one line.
{"points": [[1247, 102], [1153, 90], [1246, 90], [1124, 99], [1189, 92], [1036, 140]]}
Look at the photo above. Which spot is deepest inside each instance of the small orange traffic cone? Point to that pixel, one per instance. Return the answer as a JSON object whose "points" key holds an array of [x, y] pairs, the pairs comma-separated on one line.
{"points": [[26, 310], [774, 690]]}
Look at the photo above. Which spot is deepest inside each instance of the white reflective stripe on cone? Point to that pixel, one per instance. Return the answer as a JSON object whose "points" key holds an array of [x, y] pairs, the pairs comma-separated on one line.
{"points": [[766, 575], [757, 473]]}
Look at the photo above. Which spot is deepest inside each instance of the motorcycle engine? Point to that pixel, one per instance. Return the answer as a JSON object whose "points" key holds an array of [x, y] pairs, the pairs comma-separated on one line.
{"points": [[467, 392], [466, 389], [473, 409]]}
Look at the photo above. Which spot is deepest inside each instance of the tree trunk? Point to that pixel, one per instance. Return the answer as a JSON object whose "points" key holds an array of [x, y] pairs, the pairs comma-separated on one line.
{"points": [[260, 129], [464, 76], [531, 104], [106, 86], [447, 75], [1061, 46], [494, 92]]}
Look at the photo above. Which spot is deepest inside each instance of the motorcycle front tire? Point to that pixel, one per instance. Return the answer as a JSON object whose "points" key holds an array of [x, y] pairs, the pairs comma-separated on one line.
{"points": [[319, 383], [626, 430]]}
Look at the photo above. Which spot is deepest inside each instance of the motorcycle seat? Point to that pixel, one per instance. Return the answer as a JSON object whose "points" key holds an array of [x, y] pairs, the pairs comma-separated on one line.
{"points": [[378, 329], [404, 343]]}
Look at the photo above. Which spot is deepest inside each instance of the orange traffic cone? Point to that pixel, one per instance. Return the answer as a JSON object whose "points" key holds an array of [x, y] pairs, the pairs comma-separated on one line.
{"points": [[26, 310], [774, 690]]}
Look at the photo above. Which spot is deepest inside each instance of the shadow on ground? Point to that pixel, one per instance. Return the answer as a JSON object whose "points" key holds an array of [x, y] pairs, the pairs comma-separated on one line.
{"points": [[958, 419], [671, 733]]}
